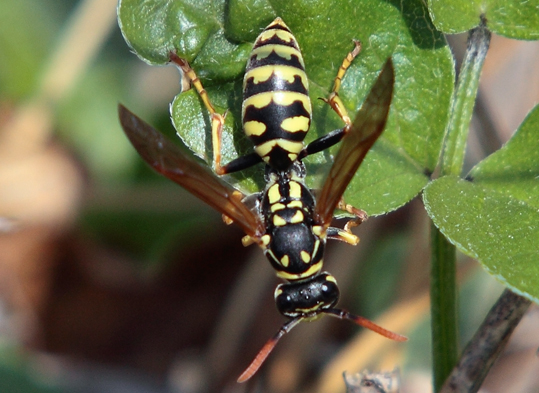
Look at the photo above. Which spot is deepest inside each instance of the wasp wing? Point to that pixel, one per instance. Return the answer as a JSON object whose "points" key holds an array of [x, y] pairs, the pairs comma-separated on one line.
{"points": [[169, 160], [365, 130]]}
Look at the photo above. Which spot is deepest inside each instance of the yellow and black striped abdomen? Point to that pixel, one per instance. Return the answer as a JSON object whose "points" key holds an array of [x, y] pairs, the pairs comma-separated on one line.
{"points": [[276, 105]]}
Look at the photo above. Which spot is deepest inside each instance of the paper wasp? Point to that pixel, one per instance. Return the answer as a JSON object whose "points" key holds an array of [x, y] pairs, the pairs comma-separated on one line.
{"points": [[286, 220]]}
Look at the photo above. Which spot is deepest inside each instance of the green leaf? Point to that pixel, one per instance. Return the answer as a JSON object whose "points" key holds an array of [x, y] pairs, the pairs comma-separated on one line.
{"points": [[152, 28], [410, 147], [501, 232], [514, 169], [512, 18], [493, 215]]}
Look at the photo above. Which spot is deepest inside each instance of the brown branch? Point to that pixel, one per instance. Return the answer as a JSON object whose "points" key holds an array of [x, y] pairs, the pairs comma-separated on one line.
{"points": [[487, 344]]}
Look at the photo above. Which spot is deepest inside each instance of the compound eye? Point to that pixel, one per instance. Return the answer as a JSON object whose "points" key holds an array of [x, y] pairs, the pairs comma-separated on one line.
{"points": [[329, 291], [284, 302], [325, 289]]}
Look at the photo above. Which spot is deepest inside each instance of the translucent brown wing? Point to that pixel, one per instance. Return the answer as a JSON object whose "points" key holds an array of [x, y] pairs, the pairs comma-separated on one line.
{"points": [[169, 160], [366, 128]]}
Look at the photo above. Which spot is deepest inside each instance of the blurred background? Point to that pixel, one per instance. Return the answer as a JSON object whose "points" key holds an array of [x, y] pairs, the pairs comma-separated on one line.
{"points": [[113, 279]]}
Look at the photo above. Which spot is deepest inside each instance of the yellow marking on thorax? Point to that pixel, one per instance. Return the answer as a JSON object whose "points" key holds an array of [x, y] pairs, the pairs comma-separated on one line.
{"points": [[296, 124], [298, 276], [272, 255], [292, 156], [283, 51], [285, 261], [297, 217], [305, 256], [276, 207], [288, 73], [295, 190], [316, 246], [318, 230], [265, 148], [273, 194], [265, 239], [295, 204], [278, 221], [254, 127]]}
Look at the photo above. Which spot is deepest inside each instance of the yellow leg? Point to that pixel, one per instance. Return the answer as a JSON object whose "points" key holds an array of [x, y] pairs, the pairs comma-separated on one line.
{"points": [[346, 235], [343, 235], [217, 120], [334, 101]]}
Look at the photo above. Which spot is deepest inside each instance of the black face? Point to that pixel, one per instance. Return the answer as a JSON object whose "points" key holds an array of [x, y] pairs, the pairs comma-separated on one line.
{"points": [[307, 298]]}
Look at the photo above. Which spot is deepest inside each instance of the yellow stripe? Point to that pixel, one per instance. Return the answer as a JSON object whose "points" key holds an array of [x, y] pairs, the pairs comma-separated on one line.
{"points": [[283, 51], [286, 98], [265, 148], [311, 271], [288, 73], [258, 100], [277, 22], [269, 34]]}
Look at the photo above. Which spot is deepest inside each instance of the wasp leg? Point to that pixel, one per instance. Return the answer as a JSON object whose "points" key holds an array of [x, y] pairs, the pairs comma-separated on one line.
{"points": [[336, 104], [346, 234], [217, 120], [343, 235], [333, 100]]}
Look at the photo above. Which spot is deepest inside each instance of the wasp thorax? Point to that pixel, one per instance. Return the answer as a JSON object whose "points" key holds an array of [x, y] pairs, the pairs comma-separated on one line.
{"points": [[307, 298]]}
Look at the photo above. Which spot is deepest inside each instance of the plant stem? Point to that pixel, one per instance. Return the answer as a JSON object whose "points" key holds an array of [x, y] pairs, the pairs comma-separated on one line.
{"points": [[443, 274], [464, 100], [487, 344], [443, 307]]}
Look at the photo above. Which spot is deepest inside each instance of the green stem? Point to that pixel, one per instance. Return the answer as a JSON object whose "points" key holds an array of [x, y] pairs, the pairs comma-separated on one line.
{"points": [[443, 275], [443, 307], [464, 100]]}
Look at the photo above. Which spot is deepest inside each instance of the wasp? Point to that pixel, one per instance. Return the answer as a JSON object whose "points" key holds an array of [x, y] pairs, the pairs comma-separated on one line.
{"points": [[286, 220]]}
